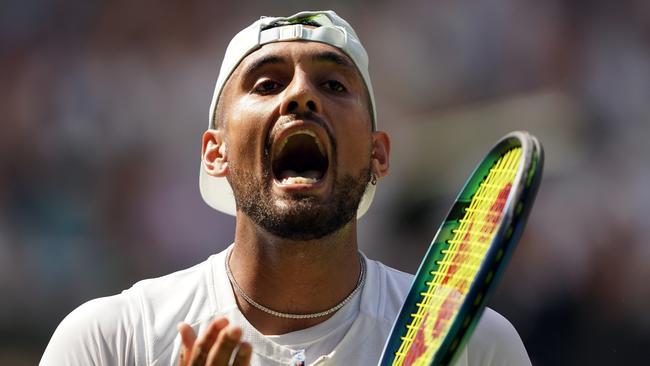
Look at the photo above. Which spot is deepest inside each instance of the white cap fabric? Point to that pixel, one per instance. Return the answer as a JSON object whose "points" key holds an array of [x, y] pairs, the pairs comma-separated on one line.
{"points": [[332, 30]]}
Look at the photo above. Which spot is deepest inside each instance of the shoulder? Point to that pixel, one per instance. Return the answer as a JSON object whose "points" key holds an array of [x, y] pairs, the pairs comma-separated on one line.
{"points": [[176, 289], [381, 300], [135, 325], [96, 332], [496, 342], [187, 295], [386, 288], [397, 283]]}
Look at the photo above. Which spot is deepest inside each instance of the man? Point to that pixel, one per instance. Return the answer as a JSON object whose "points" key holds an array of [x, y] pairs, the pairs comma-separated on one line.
{"points": [[293, 151]]}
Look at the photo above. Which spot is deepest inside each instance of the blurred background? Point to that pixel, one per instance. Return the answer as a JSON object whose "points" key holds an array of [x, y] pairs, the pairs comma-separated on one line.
{"points": [[103, 103]]}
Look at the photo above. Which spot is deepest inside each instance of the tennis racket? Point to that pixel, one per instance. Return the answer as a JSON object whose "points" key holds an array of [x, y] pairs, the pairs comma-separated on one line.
{"points": [[467, 256]]}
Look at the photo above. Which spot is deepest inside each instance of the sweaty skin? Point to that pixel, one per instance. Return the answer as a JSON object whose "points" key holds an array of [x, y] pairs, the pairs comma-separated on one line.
{"points": [[280, 87]]}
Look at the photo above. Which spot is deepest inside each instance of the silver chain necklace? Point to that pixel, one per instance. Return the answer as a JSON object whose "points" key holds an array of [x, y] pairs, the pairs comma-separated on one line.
{"points": [[360, 282]]}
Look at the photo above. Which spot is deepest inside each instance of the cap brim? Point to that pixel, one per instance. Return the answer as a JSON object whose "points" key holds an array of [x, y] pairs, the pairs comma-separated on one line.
{"points": [[216, 192]]}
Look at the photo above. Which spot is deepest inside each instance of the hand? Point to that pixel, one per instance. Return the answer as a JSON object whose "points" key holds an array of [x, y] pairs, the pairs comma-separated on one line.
{"points": [[215, 347]]}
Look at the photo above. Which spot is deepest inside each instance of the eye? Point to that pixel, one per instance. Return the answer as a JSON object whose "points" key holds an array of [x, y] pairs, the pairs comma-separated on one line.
{"points": [[335, 86], [267, 86]]}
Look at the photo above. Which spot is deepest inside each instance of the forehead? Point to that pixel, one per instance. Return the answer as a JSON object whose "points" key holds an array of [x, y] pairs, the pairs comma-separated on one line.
{"points": [[295, 52]]}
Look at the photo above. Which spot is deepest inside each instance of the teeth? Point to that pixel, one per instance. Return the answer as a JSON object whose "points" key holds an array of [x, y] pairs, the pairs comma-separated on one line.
{"points": [[308, 177], [303, 132], [299, 180]]}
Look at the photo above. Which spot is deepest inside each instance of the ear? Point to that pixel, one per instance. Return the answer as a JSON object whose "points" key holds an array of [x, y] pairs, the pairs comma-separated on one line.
{"points": [[380, 154], [213, 153]]}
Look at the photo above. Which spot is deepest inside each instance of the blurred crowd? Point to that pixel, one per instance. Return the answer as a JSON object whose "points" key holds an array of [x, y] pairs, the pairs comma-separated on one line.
{"points": [[103, 105]]}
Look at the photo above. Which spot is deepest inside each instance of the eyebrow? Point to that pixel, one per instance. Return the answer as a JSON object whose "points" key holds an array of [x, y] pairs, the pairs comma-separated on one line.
{"points": [[332, 57], [326, 56], [263, 61]]}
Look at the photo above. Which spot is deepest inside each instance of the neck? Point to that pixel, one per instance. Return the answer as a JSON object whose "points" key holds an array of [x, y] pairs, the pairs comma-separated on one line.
{"points": [[298, 277]]}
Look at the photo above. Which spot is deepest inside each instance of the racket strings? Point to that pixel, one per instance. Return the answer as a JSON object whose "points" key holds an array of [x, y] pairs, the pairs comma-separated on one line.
{"points": [[460, 263]]}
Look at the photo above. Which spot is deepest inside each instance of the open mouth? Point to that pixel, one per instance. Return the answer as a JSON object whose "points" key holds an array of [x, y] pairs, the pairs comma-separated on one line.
{"points": [[300, 158]]}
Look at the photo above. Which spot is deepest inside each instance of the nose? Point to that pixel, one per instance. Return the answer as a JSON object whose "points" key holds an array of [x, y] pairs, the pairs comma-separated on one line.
{"points": [[301, 96]]}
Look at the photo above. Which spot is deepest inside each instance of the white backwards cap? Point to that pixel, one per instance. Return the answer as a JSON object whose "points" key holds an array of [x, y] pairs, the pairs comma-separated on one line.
{"points": [[330, 29]]}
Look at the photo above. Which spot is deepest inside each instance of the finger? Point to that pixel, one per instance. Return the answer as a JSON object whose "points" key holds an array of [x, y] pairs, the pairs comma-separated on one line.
{"points": [[202, 347], [243, 356], [226, 343], [188, 337]]}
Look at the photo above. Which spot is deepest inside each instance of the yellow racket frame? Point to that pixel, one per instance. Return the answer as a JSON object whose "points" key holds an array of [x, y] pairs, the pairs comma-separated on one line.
{"points": [[452, 284]]}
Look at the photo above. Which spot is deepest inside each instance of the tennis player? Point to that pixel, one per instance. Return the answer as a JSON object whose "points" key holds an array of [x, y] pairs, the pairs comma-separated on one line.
{"points": [[293, 151]]}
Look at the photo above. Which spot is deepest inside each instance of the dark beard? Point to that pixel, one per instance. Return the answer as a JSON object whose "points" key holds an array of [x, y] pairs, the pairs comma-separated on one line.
{"points": [[305, 217]]}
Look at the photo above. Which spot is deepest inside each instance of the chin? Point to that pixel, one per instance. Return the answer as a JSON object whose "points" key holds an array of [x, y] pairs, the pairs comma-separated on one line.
{"points": [[299, 217]]}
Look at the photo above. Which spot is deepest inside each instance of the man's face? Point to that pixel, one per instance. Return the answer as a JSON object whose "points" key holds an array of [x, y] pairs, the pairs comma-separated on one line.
{"points": [[298, 138]]}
